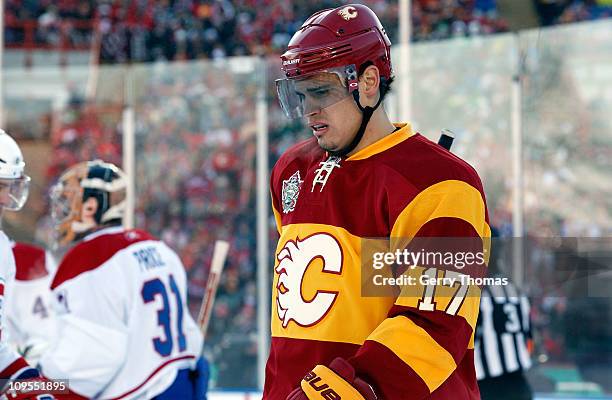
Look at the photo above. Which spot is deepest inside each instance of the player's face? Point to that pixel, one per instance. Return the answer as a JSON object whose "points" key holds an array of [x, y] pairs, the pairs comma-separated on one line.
{"points": [[14, 193], [333, 125], [4, 193], [301, 96], [4, 198]]}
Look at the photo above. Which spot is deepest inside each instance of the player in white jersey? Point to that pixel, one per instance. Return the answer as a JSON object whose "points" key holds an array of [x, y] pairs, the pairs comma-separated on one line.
{"points": [[124, 329], [30, 316], [14, 184]]}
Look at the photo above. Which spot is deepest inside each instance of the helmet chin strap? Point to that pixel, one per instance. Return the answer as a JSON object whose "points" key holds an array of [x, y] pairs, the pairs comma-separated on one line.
{"points": [[366, 114]]}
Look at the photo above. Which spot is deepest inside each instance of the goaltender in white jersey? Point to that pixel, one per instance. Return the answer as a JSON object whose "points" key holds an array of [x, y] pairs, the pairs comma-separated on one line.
{"points": [[124, 327]]}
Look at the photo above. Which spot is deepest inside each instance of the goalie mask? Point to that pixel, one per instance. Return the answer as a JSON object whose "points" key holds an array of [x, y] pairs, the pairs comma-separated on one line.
{"points": [[87, 196], [14, 184]]}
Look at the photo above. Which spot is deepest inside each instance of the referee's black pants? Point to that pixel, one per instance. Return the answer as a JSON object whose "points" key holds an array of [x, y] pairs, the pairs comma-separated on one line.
{"points": [[511, 386]]}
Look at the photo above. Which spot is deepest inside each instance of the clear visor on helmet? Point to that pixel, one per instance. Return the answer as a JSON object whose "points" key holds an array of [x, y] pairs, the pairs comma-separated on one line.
{"points": [[14, 193], [304, 95]]}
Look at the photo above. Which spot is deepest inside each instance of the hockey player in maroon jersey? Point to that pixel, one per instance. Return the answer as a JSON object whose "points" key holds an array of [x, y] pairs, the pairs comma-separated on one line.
{"points": [[361, 176]]}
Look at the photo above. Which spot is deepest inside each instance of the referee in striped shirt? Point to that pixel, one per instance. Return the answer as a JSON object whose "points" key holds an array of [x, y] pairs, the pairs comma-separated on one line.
{"points": [[503, 333]]}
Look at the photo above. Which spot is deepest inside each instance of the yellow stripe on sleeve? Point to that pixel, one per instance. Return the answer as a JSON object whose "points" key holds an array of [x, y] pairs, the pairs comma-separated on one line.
{"points": [[413, 345], [450, 198]]}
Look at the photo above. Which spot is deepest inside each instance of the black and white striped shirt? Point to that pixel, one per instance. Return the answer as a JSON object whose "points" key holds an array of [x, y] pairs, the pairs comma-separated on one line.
{"points": [[503, 328]]}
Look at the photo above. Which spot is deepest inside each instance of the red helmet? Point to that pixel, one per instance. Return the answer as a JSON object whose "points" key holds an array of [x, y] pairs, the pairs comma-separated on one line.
{"points": [[347, 35]]}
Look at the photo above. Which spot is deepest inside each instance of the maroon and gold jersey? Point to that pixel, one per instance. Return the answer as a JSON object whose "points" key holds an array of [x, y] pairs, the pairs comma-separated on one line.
{"points": [[401, 186]]}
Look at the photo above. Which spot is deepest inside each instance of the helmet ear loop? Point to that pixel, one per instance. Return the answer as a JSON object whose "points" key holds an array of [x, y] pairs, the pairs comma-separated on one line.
{"points": [[353, 86], [367, 109]]}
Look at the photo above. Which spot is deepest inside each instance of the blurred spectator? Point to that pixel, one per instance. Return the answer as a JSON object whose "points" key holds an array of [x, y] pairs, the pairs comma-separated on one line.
{"points": [[441, 19], [553, 12]]}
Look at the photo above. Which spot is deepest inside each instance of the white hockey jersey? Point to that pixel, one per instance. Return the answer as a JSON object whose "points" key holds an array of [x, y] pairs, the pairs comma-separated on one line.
{"points": [[11, 364], [30, 316], [124, 329]]}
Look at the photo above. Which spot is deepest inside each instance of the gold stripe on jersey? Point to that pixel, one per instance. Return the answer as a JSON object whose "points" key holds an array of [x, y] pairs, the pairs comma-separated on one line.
{"points": [[413, 345], [454, 199], [385, 143], [351, 317], [450, 198]]}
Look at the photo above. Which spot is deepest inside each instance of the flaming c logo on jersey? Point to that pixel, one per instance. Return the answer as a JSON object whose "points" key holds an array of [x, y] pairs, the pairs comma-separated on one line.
{"points": [[293, 261], [348, 13]]}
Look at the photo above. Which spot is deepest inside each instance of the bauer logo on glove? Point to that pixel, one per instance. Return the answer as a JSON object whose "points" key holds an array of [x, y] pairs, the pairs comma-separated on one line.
{"points": [[338, 381]]}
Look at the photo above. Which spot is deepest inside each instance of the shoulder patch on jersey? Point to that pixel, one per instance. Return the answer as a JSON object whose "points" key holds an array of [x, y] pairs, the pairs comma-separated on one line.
{"points": [[90, 254], [30, 262], [291, 191]]}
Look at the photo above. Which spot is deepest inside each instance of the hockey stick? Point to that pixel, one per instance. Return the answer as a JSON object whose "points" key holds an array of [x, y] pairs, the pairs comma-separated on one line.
{"points": [[216, 267], [446, 139]]}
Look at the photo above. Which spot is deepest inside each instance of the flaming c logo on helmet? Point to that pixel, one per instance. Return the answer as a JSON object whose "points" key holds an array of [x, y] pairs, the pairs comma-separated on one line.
{"points": [[294, 259], [348, 13]]}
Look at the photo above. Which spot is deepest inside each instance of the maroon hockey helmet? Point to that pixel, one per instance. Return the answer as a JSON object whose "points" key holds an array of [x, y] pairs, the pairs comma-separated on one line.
{"points": [[340, 41], [346, 35]]}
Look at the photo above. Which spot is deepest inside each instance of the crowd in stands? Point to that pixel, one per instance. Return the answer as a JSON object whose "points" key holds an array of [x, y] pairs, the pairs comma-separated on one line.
{"points": [[442, 19], [149, 30], [49, 24], [552, 12]]}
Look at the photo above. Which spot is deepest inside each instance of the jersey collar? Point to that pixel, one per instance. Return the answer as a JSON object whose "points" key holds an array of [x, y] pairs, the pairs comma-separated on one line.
{"points": [[404, 132], [104, 231]]}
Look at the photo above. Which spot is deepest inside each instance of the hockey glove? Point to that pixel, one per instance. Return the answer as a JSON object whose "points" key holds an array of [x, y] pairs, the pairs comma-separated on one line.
{"points": [[336, 382], [200, 377]]}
